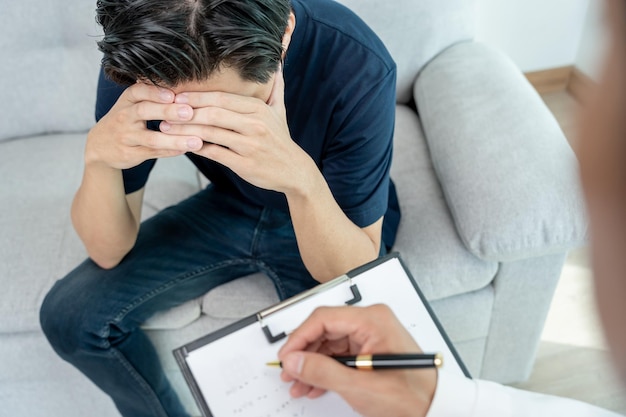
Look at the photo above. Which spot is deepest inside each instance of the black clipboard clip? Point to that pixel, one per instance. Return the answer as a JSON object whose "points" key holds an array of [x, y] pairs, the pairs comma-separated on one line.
{"points": [[354, 289]]}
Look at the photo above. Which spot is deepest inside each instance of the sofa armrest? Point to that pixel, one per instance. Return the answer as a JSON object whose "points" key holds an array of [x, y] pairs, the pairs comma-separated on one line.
{"points": [[508, 174]]}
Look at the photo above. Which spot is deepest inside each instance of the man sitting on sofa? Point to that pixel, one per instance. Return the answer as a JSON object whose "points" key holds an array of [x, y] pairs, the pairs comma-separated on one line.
{"points": [[297, 146]]}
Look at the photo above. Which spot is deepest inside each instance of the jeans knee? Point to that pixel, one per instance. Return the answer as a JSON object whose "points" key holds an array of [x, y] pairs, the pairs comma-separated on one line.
{"points": [[64, 319], [55, 322]]}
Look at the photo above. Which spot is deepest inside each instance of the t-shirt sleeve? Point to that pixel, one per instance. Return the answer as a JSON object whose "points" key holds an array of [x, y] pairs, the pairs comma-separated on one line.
{"points": [[359, 157], [107, 94]]}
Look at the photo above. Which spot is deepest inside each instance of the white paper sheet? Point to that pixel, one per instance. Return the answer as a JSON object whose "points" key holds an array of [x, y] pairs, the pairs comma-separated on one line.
{"points": [[231, 372]]}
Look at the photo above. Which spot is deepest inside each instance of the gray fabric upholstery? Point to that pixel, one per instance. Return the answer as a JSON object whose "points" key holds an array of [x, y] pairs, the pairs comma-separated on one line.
{"points": [[432, 239], [522, 201], [34, 382], [523, 292], [171, 180], [38, 245], [231, 301], [416, 31], [487, 184], [49, 66]]}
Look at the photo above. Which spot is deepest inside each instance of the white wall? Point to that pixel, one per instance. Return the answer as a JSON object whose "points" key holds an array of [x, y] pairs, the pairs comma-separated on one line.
{"points": [[536, 34], [593, 42]]}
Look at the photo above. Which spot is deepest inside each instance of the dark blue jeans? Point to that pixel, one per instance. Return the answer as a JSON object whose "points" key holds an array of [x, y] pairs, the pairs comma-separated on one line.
{"points": [[92, 316]]}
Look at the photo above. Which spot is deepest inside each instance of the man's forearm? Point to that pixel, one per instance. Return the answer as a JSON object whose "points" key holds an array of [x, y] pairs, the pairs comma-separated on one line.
{"points": [[102, 215], [330, 244]]}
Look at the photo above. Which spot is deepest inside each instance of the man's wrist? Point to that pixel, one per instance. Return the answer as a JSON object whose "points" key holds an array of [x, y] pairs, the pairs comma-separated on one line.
{"points": [[98, 170], [98, 167], [308, 184]]}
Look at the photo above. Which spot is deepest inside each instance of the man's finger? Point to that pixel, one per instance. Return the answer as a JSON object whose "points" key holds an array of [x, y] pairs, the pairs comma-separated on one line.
{"points": [[161, 141], [223, 118], [145, 92], [149, 110], [211, 134], [318, 371], [333, 323], [372, 329], [233, 102], [222, 155]]}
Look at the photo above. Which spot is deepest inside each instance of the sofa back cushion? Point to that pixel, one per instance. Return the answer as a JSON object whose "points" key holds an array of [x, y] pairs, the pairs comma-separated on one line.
{"points": [[49, 69], [414, 31], [49, 66]]}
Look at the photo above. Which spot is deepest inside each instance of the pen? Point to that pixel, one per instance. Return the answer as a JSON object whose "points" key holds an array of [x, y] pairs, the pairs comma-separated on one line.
{"points": [[387, 361]]}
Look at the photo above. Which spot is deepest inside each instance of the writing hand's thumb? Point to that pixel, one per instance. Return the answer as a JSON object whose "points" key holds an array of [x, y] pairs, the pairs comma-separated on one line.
{"points": [[317, 370]]}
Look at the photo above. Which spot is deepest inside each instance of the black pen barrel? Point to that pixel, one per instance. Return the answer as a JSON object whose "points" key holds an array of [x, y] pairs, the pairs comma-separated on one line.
{"points": [[391, 361]]}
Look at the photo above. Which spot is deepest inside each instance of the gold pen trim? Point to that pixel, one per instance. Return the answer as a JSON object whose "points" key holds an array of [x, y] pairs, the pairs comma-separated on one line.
{"points": [[364, 362], [438, 360]]}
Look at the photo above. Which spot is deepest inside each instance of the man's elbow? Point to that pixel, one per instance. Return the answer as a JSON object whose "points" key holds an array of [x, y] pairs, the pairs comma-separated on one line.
{"points": [[107, 260]]}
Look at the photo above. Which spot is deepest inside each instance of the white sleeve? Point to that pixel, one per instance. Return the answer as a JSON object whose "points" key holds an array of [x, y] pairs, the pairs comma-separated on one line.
{"points": [[460, 396]]}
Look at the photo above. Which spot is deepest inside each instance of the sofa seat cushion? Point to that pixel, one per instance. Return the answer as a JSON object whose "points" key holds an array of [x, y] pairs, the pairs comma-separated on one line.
{"points": [[431, 244], [231, 301], [36, 382], [38, 243]]}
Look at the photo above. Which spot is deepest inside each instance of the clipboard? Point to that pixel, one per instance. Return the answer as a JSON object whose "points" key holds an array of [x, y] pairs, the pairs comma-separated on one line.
{"points": [[226, 370]]}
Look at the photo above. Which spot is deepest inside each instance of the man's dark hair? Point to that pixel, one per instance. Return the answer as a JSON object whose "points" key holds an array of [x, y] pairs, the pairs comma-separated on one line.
{"points": [[168, 42]]}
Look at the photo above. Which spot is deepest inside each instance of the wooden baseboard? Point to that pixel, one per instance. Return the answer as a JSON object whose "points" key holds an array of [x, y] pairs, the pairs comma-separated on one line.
{"points": [[569, 79], [550, 80], [579, 85]]}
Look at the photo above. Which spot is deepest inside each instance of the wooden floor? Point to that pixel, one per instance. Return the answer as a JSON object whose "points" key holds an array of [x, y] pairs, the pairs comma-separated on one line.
{"points": [[566, 110], [577, 372], [572, 360]]}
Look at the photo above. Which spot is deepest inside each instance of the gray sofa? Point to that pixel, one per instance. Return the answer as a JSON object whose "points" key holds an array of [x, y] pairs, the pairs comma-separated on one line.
{"points": [[487, 182]]}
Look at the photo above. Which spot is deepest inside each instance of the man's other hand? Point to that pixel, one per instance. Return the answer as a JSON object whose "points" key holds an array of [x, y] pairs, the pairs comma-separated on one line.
{"points": [[121, 139]]}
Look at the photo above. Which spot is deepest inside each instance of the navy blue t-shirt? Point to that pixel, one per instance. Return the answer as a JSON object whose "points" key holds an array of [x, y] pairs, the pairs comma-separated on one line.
{"points": [[340, 101]]}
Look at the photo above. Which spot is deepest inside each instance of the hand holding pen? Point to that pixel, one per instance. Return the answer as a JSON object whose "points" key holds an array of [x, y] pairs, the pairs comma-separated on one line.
{"points": [[386, 361], [340, 331]]}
